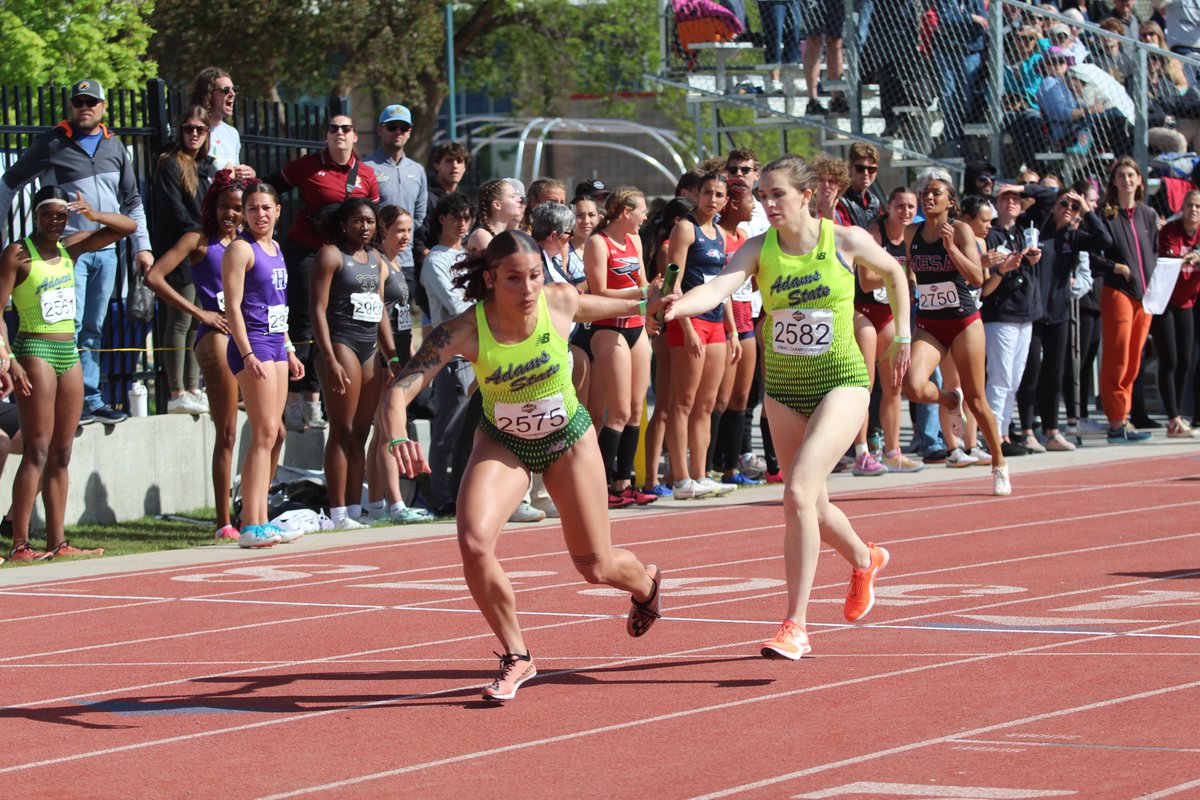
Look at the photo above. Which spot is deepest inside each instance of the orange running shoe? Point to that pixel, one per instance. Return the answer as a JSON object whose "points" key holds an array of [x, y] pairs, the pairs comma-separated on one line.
{"points": [[514, 670], [643, 615], [25, 553], [861, 596], [68, 550], [791, 642]]}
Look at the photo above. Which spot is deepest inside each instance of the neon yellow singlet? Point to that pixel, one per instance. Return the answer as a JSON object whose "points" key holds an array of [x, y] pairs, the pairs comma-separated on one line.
{"points": [[808, 335], [526, 387], [45, 300]]}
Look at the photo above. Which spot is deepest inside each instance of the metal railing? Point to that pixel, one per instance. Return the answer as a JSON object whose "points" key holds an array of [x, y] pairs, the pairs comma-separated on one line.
{"points": [[272, 134]]}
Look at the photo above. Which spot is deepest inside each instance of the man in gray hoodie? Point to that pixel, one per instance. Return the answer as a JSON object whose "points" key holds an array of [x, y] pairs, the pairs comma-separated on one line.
{"points": [[81, 155]]}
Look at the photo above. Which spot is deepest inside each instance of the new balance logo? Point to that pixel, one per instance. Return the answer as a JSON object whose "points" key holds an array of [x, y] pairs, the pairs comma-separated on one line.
{"points": [[544, 338]]}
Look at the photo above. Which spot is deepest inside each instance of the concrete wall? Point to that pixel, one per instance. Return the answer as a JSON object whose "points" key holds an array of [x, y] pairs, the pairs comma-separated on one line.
{"points": [[155, 465]]}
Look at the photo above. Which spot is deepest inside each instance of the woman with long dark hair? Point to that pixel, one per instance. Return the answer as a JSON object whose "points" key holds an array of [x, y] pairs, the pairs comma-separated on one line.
{"points": [[516, 339], [182, 175], [1127, 264], [944, 259], [202, 251], [37, 274]]}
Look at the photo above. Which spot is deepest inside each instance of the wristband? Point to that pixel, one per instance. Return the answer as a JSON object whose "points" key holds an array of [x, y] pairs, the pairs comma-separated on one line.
{"points": [[645, 291], [394, 360], [247, 355], [392, 444], [289, 347], [642, 308], [902, 339]]}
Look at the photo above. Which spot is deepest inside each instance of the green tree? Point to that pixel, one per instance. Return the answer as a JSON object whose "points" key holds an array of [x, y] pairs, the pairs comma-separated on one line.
{"points": [[536, 51], [61, 41]]}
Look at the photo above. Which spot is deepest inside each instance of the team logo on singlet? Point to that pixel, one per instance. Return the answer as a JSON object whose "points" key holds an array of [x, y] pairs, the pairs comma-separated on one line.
{"points": [[714, 254], [626, 265], [522, 376], [279, 279], [368, 283]]}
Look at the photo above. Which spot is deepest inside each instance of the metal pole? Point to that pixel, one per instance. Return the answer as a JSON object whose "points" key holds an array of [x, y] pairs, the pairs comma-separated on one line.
{"points": [[996, 75], [451, 112], [1140, 146]]}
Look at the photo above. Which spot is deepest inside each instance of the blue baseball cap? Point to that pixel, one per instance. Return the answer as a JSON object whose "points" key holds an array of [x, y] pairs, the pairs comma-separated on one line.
{"points": [[395, 113]]}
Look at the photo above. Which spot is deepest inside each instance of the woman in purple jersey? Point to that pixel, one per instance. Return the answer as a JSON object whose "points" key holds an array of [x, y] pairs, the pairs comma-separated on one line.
{"points": [[255, 278], [203, 249]]}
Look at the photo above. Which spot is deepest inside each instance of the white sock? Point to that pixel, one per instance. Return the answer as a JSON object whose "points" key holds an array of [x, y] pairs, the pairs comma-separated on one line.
{"points": [[396, 508], [860, 450], [377, 508], [338, 514], [354, 511]]}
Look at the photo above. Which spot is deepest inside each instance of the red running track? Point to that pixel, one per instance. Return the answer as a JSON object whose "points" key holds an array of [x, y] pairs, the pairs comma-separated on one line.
{"points": [[1044, 645]]}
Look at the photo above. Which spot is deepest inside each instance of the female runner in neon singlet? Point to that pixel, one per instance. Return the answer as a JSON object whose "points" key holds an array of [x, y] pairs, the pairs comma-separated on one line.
{"points": [[814, 376], [221, 216], [38, 274], [260, 355], [943, 258], [621, 376], [516, 339]]}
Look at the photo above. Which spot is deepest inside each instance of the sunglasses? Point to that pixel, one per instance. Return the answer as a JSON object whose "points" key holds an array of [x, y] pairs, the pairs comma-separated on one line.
{"points": [[867, 169], [744, 169], [341, 128], [1071, 204], [228, 89], [90, 102], [190, 129], [403, 127]]}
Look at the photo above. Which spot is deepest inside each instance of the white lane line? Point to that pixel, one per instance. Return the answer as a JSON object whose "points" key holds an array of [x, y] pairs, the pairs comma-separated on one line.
{"points": [[742, 703], [84, 595], [1170, 791], [905, 748]]}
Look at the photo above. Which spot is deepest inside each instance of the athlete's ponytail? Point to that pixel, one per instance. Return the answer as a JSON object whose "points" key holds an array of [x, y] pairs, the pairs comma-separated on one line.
{"points": [[471, 270]]}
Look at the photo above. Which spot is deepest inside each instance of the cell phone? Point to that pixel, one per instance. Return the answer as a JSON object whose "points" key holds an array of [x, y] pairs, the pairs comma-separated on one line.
{"points": [[668, 281]]}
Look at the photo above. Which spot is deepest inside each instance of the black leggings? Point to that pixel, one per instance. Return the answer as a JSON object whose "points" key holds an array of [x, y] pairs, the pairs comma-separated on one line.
{"points": [[1173, 333], [1043, 376]]}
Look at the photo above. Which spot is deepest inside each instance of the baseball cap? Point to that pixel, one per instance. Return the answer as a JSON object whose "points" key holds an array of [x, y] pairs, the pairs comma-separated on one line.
{"points": [[87, 88], [595, 189], [395, 113], [1058, 29]]}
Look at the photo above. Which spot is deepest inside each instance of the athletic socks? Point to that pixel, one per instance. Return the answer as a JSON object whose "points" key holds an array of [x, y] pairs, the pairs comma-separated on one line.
{"points": [[729, 439], [609, 440], [354, 511], [627, 445], [860, 449], [396, 508], [338, 515], [378, 509]]}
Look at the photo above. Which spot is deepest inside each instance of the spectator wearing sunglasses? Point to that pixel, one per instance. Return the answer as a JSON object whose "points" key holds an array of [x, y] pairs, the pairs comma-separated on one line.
{"points": [[325, 180], [82, 156], [214, 91], [402, 181], [859, 204]]}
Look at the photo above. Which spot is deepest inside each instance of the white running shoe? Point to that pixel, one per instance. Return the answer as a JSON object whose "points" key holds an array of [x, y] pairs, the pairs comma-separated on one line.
{"points": [[1001, 485], [983, 457], [688, 489], [285, 536], [958, 458], [715, 489], [527, 513], [351, 524], [185, 404]]}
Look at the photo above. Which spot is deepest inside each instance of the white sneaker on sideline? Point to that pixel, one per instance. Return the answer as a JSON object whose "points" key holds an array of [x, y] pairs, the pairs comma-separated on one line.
{"points": [[527, 513], [351, 524], [201, 398], [688, 489], [716, 489], [958, 458], [185, 404]]}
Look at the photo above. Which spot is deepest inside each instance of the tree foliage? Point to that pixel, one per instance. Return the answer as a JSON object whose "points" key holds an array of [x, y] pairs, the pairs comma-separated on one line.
{"points": [[536, 51], [62, 41]]}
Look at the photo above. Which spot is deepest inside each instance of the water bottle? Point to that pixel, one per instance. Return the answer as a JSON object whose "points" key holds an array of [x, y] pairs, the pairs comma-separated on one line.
{"points": [[138, 400]]}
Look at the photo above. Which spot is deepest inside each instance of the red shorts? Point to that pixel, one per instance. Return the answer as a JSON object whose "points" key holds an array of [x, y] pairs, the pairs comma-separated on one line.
{"points": [[880, 315], [709, 332], [743, 315], [946, 331]]}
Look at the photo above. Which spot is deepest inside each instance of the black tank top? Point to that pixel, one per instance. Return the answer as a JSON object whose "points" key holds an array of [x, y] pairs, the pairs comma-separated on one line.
{"points": [[355, 308], [879, 297], [942, 292], [396, 301]]}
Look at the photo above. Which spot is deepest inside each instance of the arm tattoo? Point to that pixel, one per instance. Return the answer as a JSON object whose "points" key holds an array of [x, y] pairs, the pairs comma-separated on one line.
{"points": [[429, 356]]}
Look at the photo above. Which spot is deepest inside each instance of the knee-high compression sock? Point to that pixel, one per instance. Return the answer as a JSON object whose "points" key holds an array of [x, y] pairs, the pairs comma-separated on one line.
{"points": [[626, 453], [730, 437], [714, 456], [769, 446], [609, 439]]}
